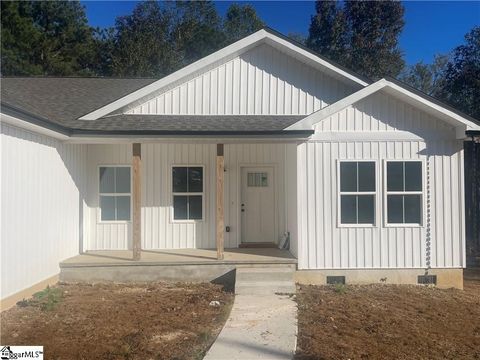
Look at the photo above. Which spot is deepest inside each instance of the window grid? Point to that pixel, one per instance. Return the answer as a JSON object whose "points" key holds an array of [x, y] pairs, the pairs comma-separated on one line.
{"points": [[357, 194], [402, 193], [188, 194], [115, 195]]}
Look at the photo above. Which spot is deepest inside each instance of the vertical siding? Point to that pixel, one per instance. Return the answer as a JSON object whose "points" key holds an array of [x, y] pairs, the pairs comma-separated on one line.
{"points": [[42, 206], [382, 112], [381, 247], [326, 245], [158, 230], [262, 81]]}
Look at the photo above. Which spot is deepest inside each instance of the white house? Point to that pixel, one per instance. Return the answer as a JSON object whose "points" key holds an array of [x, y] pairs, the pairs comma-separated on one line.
{"points": [[258, 142]]}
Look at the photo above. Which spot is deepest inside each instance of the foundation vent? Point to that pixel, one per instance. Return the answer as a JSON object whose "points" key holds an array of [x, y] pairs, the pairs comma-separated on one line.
{"points": [[332, 280], [427, 279]]}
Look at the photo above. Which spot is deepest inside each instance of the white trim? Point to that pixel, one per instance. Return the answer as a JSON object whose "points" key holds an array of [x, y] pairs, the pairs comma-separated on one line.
{"points": [[374, 193], [386, 224], [173, 194], [99, 194], [230, 51], [14, 121], [391, 88], [399, 135]]}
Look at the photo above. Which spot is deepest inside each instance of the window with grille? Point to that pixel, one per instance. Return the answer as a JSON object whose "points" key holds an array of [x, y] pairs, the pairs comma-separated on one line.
{"points": [[187, 188], [357, 192], [114, 193], [404, 192]]}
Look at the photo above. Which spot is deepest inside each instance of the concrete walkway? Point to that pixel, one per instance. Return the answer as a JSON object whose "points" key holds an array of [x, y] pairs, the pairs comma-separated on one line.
{"points": [[259, 327]]}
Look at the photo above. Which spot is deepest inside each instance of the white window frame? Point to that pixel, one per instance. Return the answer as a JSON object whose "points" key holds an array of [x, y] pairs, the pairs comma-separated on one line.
{"points": [[99, 216], [172, 210], [374, 193], [386, 193]]}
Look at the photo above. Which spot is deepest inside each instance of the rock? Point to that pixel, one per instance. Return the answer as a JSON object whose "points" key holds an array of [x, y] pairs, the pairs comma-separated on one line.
{"points": [[215, 303]]}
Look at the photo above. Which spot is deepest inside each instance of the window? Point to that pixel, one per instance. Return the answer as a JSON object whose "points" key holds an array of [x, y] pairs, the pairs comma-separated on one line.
{"points": [[404, 192], [259, 179], [115, 193], [187, 183], [357, 192]]}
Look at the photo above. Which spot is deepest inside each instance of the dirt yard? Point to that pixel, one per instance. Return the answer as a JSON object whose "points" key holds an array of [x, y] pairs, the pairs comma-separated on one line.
{"points": [[154, 321], [389, 322]]}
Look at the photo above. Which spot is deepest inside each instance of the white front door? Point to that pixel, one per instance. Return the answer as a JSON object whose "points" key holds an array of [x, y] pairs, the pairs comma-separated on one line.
{"points": [[257, 205]]}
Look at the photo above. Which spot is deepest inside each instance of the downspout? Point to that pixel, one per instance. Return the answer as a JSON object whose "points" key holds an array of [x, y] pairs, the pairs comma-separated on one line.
{"points": [[428, 234]]}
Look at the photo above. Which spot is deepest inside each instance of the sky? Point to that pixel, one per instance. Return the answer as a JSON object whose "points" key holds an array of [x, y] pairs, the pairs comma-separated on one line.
{"points": [[431, 27]]}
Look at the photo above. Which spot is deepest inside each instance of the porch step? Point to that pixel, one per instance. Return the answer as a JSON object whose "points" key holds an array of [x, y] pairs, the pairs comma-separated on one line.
{"points": [[264, 280]]}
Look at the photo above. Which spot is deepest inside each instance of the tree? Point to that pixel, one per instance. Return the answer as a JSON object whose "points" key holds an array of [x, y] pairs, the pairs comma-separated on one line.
{"points": [[375, 27], [361, 35], [46, 38], [298, 37], [429, 78], [140, 43], [328, 31], [462, 76], [240, 21], [197, 30]]}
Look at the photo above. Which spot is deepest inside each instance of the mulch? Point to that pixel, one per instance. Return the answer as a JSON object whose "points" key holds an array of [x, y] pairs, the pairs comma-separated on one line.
{"points": [[113, 321], [389, 322]]}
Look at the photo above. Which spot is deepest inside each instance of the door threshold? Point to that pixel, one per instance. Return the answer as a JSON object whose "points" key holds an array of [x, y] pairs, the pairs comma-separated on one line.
{"points": [[258, 245]]}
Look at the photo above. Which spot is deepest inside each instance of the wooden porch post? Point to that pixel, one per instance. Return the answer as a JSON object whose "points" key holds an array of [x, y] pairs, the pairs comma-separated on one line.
{"points": [[137, 196], [220, 212]]}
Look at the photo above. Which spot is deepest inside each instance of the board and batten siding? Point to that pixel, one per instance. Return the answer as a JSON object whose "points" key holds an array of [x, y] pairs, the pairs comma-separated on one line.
{"points": [[262, 81], [158, 229], [323, 244], [42, 206]]}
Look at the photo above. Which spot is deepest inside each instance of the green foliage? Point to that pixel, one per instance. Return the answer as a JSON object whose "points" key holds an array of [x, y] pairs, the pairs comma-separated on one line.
{"points": [[340, 288], [328, 32], [197, 30], [462, 76], [40, 38], [240, 21], [361, 35], [428, 78], [140, 43], [47, 299]]}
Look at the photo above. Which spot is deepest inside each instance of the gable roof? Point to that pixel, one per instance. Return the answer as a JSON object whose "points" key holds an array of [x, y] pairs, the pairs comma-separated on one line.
{"points": [[400, 90], [63, 100], [266, 35]]}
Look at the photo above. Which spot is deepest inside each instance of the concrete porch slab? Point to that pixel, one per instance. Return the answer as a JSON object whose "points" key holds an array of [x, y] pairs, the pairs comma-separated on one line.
{"points": [[180, 257]]}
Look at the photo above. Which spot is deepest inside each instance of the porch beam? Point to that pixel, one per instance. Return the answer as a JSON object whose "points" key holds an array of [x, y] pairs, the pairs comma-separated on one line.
{"points": [[220, 219], [136, 200]]}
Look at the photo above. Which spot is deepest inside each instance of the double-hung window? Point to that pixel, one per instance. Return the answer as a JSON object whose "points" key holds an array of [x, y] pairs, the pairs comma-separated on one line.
{"points": [[404, 192], [357, 192], [115, 193], [187, 184]]}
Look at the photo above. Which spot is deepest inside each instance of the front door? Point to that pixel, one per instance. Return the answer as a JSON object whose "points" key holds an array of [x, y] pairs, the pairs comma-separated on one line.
{"points": [[257, 205]]}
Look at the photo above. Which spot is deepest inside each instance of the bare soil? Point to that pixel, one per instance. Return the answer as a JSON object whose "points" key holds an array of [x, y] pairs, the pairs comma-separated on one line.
{"points": [[389, 322], [112, 321]]}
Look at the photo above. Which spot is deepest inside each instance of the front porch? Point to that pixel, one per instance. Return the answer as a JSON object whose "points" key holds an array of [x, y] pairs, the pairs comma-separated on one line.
{"points": [[185, 265], [180, 257]]}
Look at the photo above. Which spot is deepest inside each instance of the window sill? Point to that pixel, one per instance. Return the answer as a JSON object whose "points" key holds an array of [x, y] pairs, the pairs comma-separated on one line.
{"points": [[403, 226], [114, 222], [186, 221], [363, 226]]}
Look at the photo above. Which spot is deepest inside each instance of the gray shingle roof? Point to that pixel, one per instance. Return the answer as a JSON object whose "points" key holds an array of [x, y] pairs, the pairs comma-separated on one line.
{"points": [[63, 100], [209, 123], [59, 102]]}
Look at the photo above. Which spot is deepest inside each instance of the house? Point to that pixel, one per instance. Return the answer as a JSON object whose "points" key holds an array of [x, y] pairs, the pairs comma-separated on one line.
{"points": [[262, 142]]}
